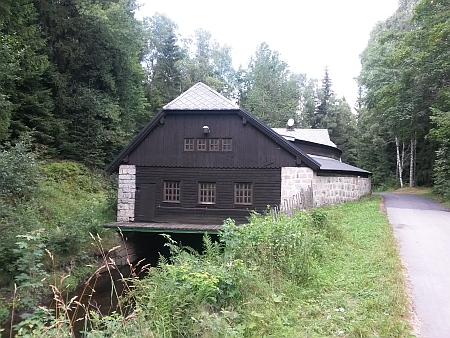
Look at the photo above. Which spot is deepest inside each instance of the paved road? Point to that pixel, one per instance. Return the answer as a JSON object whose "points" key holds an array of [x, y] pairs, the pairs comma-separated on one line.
{"points": [[422, 229]]}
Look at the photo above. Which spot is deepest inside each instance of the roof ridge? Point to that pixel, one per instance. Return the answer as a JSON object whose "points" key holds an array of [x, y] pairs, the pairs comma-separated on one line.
{"points": [[201, 97]]}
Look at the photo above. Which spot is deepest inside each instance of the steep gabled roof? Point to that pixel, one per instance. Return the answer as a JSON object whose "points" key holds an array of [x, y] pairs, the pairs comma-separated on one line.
{"points": [[319, 136], [201, 97]]}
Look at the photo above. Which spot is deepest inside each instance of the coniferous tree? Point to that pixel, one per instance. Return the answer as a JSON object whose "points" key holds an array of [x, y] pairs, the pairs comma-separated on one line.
{"points": [[95, 76], [271, 91], [25, 104], [326, 100], [161, 58]]}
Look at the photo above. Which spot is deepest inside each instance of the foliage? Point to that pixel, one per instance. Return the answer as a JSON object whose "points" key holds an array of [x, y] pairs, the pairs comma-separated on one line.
{"points": [[405, 70], [270, 90], [72, 74], [30, 269], [161, 61], [25, 103], [66, 199], [357, 288], [441, 134], [233, 291], [19, 170], [282, 246]]}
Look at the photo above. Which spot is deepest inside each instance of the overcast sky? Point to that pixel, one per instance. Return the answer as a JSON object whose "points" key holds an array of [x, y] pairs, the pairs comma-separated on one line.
{"points": [[309, 35]]}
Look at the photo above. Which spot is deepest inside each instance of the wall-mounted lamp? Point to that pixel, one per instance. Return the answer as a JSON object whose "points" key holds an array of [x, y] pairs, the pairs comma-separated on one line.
{"points": [[206, 129]]}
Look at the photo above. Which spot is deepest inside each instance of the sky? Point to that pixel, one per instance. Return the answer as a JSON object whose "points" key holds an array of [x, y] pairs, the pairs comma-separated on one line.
{"points": [[308, 35]]}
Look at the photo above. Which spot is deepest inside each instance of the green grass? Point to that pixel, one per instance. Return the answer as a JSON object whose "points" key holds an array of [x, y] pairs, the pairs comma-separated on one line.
{"points": [[359, 291], [327, 272], [351, 283]]}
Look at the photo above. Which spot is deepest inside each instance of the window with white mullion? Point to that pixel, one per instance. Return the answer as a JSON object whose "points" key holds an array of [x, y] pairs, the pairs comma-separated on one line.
{"points": [[171, 191], [206, 193], [243, 193]]}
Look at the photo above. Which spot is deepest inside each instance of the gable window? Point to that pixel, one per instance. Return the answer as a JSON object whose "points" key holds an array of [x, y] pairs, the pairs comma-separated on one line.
{"points": [[214, 144], [201, 144], [171, 191], [188, 144], [243, 193], [227, 144], [206, 193]]}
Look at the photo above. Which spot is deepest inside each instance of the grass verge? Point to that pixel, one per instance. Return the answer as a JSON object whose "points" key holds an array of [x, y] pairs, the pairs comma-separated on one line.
{"points": [[360, 291], [351, 282]]}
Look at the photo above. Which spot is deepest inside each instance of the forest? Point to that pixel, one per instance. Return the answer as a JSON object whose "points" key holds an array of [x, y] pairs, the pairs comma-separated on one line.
{"points": [[79, 78], [82, 77]]}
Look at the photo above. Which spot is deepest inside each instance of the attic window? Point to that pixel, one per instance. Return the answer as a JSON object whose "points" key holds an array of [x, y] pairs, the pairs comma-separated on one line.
{"points": [[214, 144], [227, 144], [243, 193], [201, 144], [188, 144], [206, 193]]}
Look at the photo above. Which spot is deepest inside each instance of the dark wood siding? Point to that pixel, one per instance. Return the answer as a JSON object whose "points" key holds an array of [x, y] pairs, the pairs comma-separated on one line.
{"points": [[164, 146], [318, 149], [146, 202], [266, 191]]}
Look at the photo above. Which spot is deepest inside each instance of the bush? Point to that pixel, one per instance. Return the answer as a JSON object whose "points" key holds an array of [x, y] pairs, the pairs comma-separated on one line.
{"points": [[286, 245], [19, 170]]}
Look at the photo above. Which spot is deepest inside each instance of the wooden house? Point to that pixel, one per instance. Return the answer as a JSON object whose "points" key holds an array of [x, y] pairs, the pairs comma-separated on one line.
{"points": [[202, 159]]}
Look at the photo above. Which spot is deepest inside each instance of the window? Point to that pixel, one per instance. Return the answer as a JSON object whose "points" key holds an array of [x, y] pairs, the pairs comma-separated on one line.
{"points": [[201, 144], [243, 193], [227, 144], [171, 192], [206, 193], [214, 144], [188, 144]]}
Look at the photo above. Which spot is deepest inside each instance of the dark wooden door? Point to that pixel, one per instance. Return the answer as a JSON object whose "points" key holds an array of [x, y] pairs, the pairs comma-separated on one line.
{"points": [[147, 202]]}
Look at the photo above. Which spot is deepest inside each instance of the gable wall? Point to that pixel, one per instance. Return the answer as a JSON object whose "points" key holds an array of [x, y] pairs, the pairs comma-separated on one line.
{"points": [[163, 147]]}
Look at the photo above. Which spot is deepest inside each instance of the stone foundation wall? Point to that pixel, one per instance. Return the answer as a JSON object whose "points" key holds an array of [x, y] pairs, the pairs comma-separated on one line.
{"points": [[127, 253], [294, 180], [126, 193], [329, 190], [326, 190]]}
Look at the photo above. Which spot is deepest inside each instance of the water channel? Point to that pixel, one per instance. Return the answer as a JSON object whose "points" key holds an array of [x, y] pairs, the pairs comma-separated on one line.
{"points": [[103, 300]]}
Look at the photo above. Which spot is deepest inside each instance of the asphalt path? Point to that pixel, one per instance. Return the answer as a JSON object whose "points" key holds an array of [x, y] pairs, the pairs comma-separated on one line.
{"points": [[422, 229]]}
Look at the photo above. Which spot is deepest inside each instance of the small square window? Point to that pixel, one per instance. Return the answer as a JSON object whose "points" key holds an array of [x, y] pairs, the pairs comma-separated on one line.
{"points": [[171, 192], [214, 144], [201, 144], [227, 144], [243, 193], [206, 193], [188, 144]]}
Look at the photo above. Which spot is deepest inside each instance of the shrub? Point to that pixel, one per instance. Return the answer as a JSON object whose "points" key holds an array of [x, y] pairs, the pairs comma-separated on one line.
{"points": [[287, 245], [19, 170]]}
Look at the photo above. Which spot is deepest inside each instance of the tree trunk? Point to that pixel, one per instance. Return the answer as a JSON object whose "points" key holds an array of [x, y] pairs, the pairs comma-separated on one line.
{"points": [[399, 163], [412, 163]]}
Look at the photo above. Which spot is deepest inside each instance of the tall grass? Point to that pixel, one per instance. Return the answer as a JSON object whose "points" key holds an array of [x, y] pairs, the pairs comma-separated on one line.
{"points": [[328, 272], [323, 273]]}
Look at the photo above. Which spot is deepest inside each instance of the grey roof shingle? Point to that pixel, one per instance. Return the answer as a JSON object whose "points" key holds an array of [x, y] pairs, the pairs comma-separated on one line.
{"points": [[327, 163], [319, 136], [201, 97]]}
